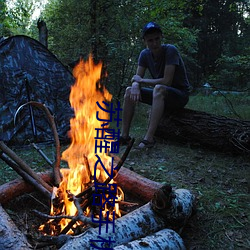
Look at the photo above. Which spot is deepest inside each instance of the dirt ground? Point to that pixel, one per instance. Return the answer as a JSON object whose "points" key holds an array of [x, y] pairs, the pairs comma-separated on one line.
{"points": [[220, 182]]}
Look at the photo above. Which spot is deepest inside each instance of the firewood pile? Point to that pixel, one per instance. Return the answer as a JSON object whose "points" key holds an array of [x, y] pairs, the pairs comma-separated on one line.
{"points": [[155, 222]]}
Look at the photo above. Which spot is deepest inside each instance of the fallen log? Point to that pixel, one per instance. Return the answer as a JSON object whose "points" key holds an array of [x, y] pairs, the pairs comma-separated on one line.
{"points": [[10, 237], [140, 187], [161, 240], [212, 131], [128, 180], [176, 207], [148, 219], [18, 187]]}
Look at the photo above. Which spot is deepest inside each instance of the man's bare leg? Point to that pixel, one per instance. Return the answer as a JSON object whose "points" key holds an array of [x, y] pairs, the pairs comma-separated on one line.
{"points": [[156, 113], [127, 114]]}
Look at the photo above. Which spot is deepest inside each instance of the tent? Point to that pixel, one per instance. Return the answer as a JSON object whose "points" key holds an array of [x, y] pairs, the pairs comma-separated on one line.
{"points": [[30, 72]]}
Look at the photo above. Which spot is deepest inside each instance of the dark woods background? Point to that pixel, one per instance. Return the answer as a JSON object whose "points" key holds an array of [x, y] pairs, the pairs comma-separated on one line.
{"points": [[212, 35]]}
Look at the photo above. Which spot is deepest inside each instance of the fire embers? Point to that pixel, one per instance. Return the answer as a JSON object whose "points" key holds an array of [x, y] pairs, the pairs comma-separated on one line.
{"points": [[97, 203]]}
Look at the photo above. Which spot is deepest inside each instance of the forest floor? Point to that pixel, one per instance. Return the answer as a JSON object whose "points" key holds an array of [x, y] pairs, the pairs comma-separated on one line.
{"points": [[219, 180]]}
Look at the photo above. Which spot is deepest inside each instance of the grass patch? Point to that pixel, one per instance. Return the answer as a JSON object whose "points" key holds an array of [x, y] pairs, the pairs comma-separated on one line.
{"points": [[233, 106]]}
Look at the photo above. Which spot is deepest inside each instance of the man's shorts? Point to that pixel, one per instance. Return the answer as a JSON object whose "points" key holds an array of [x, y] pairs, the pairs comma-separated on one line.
{"points": [[174, 100]]}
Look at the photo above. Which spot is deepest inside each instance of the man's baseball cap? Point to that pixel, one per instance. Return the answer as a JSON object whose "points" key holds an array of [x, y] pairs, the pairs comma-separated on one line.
{"points": [[149, 27]]}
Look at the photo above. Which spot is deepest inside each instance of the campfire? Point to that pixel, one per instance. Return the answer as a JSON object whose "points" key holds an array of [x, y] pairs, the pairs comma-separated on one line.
{"points": [[86, 197], [85, 173]]}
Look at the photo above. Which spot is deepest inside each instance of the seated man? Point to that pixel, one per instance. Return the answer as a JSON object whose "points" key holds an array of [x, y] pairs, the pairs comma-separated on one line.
{"points": [[168, 89]]}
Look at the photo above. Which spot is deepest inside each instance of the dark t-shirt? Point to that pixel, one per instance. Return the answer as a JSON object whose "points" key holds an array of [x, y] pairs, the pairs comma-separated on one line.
{"points": [[171, 56]]}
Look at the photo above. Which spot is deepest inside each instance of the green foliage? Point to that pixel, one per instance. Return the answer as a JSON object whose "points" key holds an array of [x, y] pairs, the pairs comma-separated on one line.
{"points": [[212, 36], [233, 72], [4, 19], [223, 31], [111, 30], [20, 16]]}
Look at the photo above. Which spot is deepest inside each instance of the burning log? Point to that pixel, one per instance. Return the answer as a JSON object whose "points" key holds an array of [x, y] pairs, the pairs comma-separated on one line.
{"points": [[161, 240], [216, 132], [165, 210], [10, 237]]}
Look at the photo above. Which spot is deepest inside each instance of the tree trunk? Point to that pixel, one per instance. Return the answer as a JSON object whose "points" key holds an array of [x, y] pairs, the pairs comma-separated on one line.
{"points": [[10, 237], [43, 32], [212, 131]]}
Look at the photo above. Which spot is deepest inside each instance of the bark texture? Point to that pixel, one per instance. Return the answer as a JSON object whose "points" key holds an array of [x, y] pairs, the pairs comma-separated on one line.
{"points": [[212, 131], [43, 32], [146, 220], [139, 223], [137, 185], [18, 187], [161, 240], [128, 180], [10, 237]]}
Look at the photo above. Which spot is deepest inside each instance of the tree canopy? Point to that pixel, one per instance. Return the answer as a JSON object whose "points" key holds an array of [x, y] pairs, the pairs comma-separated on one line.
{"points": [[212, 35]]}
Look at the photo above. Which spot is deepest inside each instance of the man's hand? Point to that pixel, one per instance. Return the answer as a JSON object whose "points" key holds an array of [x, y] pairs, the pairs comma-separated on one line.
{"points": [[135, 93], [136, 78]]}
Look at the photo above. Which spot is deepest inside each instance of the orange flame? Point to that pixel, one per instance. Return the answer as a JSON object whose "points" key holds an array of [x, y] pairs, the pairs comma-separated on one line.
{"points": [[80, 155]]}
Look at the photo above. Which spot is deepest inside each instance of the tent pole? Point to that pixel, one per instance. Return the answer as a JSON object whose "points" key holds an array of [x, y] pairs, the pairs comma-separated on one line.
{"points": [[33, 125]]}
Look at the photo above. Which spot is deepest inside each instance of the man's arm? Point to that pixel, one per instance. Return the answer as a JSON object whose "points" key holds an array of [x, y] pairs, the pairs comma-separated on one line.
{"points": [[135, 94], [166, 80]]}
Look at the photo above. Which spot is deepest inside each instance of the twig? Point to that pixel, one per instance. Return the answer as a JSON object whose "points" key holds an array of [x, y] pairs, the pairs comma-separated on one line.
{"points": [[91, 189], [86, 162], [25, 176], [87, 201], [127, 204], [78, 217], [122, 160], [52, 217], [38, 201], [24, 166]]}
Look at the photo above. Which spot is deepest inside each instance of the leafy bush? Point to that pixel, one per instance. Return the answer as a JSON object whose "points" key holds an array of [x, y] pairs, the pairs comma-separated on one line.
{"points": [[232, 72]]}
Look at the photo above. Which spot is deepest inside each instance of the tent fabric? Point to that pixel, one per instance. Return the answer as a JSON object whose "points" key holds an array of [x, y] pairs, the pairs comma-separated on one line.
{"points": [[30, 72]]}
